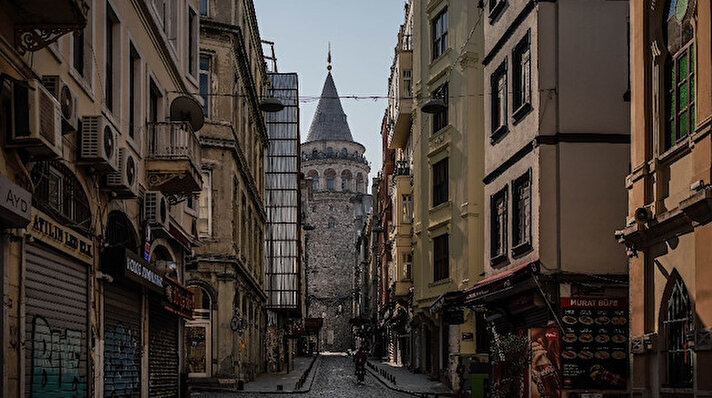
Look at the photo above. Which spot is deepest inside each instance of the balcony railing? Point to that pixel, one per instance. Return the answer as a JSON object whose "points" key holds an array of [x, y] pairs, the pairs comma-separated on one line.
{"points": [[407, 43], [402, 168], [173, 141], [173, 165]]}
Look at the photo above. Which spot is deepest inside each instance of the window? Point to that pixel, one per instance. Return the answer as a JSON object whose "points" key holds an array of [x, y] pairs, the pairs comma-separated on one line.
{"points": [[439, 25], [346, 180], [330, 176], [408, 82], [440, 182], [134, 88], [521, 75], [360, 183], [112, 29], [205, 207], [495, 6], [59, 193], [407, 205], [154, 102], [498, 226], [78, 52], [441, 257], [679, 72], [499, 99], [314, 175], [205, 83], [408, 267], [192, 41], [331, 223], [440, 118], [521, 211], [677, 324], [204, 7]]}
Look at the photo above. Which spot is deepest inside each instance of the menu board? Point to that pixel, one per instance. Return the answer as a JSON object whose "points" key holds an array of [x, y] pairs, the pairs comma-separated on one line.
{"points": [[594, 343]]}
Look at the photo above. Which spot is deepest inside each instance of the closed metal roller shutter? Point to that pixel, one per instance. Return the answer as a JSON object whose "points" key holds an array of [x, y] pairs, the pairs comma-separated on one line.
{"points": [[56, 309], [162, 350], [122, 341]]}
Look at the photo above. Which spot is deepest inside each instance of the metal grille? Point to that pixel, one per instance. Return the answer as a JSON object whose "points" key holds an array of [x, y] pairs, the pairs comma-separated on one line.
{"points": [[56, 325], [677, 325], [58, 193], [162, 351], [122, 342]]}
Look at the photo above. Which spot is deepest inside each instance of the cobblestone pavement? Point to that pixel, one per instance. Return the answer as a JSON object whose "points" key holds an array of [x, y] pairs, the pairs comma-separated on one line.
{"points": [[335, 378]]}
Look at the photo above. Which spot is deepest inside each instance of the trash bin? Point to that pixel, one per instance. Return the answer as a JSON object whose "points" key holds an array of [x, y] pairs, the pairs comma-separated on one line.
{"points": [[479, 384]]}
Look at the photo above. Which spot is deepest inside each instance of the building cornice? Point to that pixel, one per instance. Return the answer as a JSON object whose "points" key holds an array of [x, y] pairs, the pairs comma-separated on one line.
{"points": [[239, 265], [243, 63]]}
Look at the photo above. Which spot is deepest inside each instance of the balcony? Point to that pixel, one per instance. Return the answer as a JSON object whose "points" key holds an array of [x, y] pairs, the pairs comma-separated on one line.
{"points": [[404, 102], [36, 25], [173, 160]]}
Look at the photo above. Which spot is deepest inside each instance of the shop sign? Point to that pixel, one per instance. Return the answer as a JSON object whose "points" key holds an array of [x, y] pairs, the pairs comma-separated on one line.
{"points": [[15, 204], [178, 299], [313, 323], [594, 343], [125, 263], [44, 229]]}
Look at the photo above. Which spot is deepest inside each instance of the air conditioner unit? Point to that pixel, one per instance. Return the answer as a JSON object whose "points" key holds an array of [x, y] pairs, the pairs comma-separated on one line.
{"points": [[98, 144], [124, 183], [155, 209], [67, 101], [37, 121]]}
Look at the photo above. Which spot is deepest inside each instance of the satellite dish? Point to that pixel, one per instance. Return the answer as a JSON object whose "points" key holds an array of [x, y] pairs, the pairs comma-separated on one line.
{"points": [[187, 109]]}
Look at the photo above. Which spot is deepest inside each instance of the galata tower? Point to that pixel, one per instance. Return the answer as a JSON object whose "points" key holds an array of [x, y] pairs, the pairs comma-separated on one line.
{"points": [[335, 166]]}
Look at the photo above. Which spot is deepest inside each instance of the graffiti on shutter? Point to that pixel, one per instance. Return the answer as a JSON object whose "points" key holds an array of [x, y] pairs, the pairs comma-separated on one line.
{"points": [[122, 343]]}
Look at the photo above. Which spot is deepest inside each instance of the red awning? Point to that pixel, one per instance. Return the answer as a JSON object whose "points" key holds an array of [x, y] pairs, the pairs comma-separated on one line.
{"points": [[496, 283]]}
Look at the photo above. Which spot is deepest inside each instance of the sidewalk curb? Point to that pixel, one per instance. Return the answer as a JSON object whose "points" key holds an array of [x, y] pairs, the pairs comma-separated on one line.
{"points": [[390, 387]]}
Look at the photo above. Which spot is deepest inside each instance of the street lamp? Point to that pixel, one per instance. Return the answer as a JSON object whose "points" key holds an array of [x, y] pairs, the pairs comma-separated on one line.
{"points": [[434, 106], [271, 105]]}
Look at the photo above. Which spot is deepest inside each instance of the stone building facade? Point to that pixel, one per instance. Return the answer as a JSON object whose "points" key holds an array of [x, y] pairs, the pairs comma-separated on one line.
{"points": [[225, 339], [338, 171]]}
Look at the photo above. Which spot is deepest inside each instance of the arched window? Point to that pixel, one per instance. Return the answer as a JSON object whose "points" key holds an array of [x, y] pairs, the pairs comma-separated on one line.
{"points": [[344, 153], [330, 175], [330, 152], [202, 304], [346, 180], [679, 72], [120, 231], [315, 153], [59, 194], [314, 175], [332, 223], [359, 183], [677, 323], [162, 260]]}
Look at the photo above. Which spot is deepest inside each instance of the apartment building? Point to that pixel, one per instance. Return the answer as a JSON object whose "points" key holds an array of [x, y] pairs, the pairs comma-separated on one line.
{"points": [[667, 230], [101, 155], [227, 335], [556, 124], [446, 140]]}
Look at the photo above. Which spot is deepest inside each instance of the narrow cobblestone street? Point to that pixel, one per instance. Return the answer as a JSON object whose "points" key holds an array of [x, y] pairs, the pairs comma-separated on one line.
{"points": [[335, 378]]}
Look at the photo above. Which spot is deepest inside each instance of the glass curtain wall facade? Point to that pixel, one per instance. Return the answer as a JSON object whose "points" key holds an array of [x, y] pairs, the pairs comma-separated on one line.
{"points": [[282, 195]]}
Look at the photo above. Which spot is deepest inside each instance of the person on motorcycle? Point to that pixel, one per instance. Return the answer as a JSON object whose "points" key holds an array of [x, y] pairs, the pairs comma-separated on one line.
{"points": [[360, 359]]}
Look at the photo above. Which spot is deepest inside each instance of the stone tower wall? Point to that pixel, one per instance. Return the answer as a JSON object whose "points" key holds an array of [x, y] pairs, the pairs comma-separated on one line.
{"points": [[331, 249]]}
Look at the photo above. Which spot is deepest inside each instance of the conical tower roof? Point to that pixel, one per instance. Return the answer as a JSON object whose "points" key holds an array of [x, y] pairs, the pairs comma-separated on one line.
{"points": [[329, 121]]}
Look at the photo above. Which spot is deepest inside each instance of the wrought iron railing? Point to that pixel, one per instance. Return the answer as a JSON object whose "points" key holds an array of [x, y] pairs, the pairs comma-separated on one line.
{"points": [[407, 43], [173, 141]]}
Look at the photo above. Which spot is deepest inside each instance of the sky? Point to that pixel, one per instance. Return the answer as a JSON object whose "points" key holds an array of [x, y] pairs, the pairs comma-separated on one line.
{"points": [[363, 35]]}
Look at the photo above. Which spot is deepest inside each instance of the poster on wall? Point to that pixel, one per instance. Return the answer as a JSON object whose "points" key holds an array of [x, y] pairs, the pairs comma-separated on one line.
{"points": [[546, 363], [594, 343]]}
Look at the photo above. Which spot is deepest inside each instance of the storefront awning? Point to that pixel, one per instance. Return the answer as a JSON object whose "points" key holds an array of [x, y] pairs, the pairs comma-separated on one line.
{"points": [[447, 300], [498, 283]]}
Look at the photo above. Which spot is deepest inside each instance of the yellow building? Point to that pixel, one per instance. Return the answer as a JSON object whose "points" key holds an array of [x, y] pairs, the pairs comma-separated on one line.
{"points": [[98, 125], [447, 168]]}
